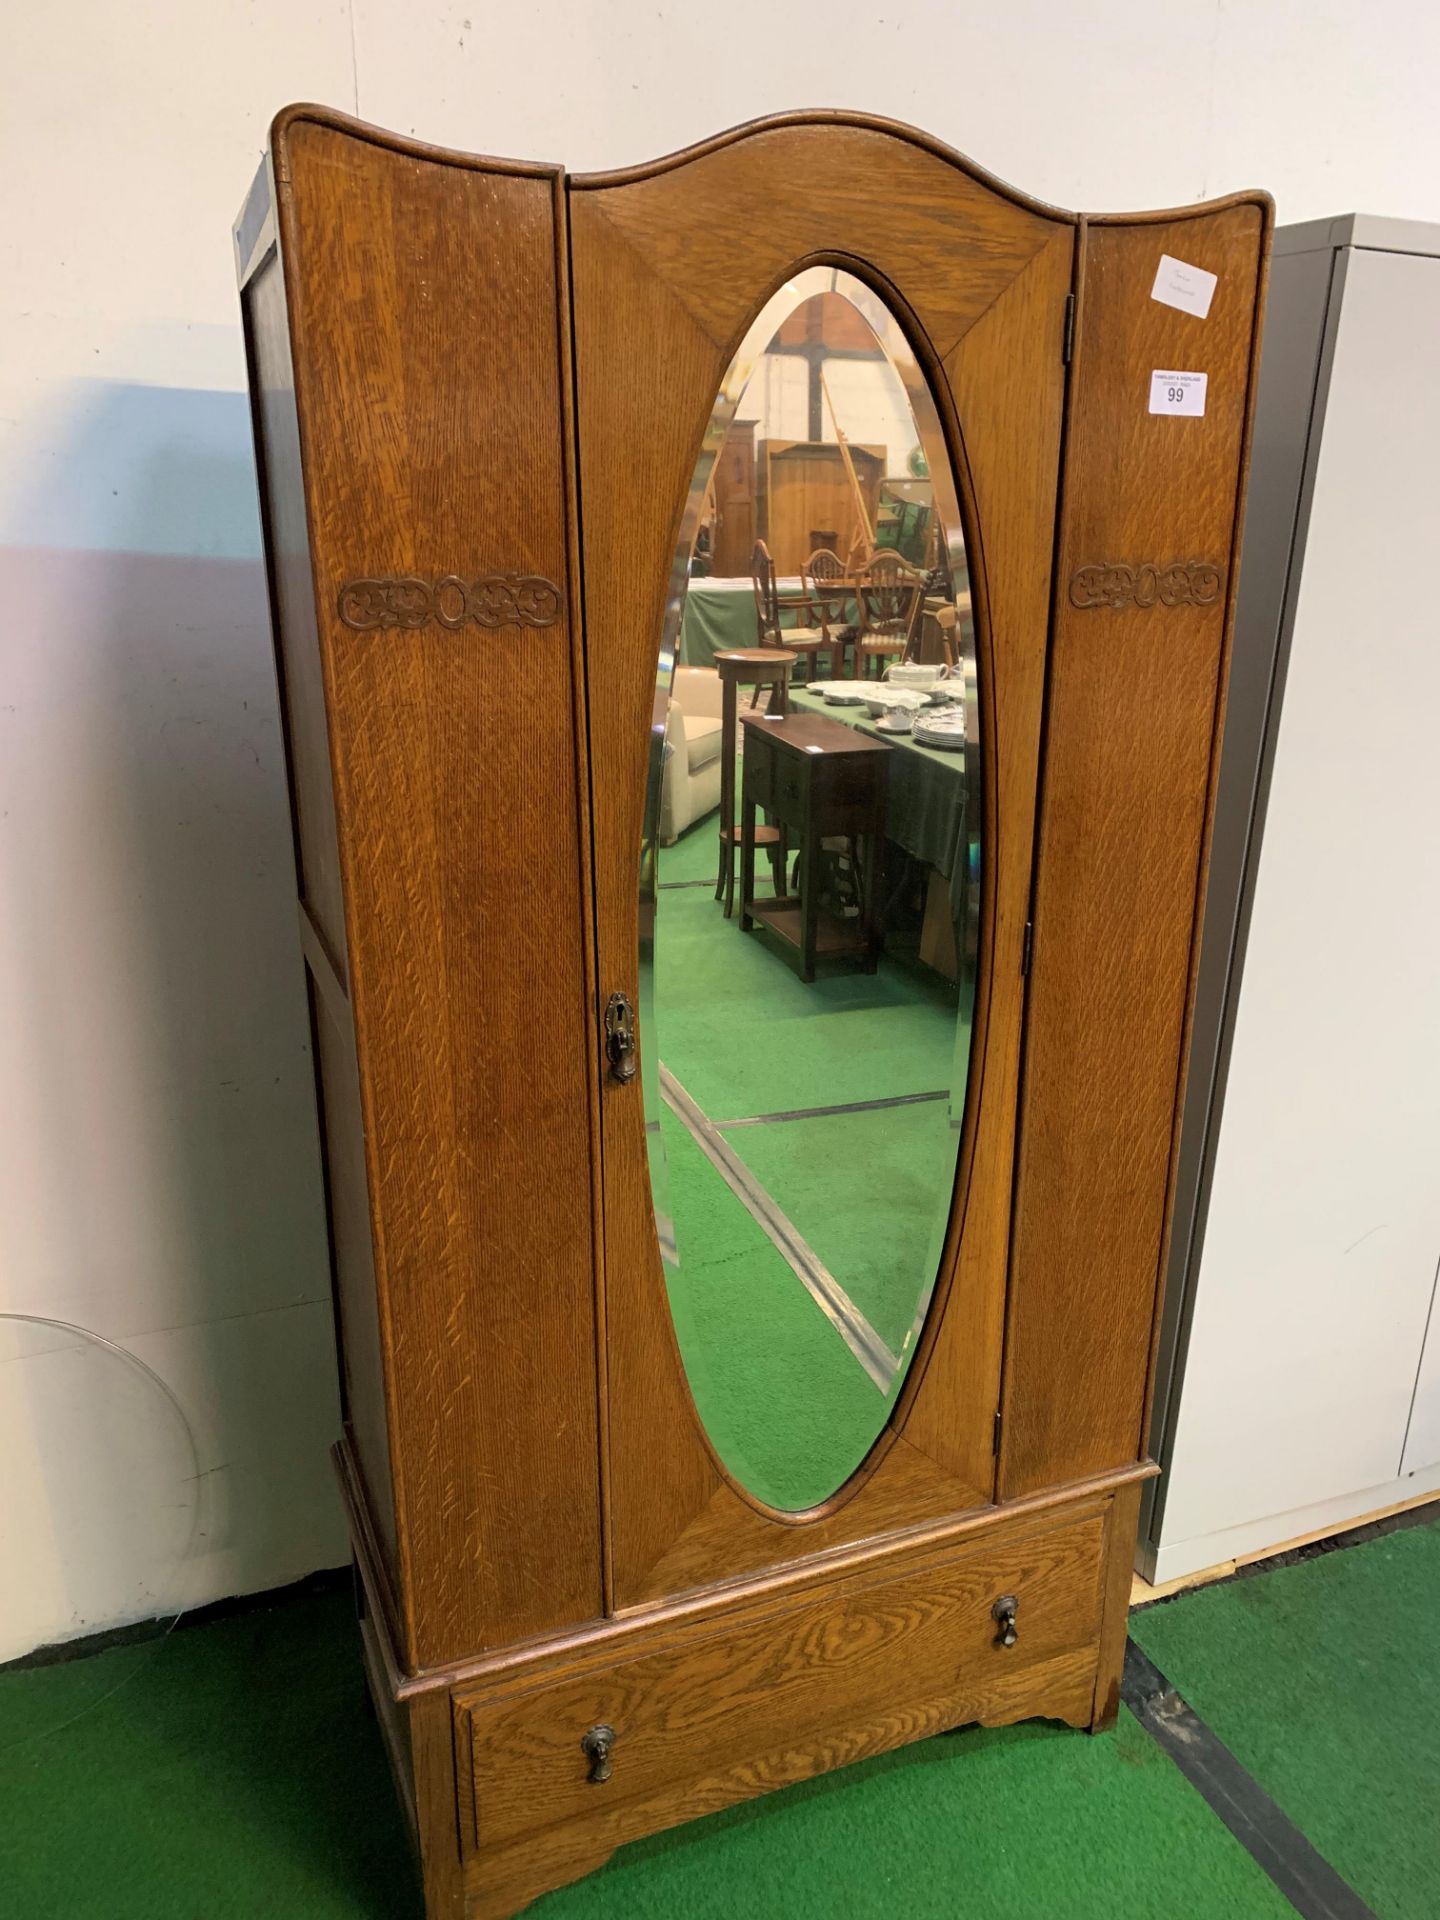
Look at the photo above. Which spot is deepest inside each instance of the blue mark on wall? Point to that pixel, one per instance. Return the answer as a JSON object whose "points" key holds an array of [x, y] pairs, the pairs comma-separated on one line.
{"points": [[113, 466]]}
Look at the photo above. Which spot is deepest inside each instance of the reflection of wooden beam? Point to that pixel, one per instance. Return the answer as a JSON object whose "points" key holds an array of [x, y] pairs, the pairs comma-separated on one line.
{"points": [[867, 532]]}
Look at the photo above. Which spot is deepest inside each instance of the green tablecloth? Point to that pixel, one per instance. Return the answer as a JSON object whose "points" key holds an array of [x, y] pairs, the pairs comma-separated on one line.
{"points": [[925, 796], [720, 614]]}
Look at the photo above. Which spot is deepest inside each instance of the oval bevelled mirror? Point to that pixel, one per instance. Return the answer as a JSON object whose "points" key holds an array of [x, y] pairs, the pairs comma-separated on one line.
{"points": [[810, 890]]}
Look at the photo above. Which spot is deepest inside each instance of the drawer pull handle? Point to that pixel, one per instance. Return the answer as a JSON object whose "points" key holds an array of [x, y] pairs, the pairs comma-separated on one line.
{"points": [[596, 1745], [1003, 1614]]}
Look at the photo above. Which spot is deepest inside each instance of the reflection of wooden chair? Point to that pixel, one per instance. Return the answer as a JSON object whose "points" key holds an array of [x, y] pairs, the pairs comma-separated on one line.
{"points": [[803, 639], [829, 592], [940, 627], [756, 668], [890, 592]]}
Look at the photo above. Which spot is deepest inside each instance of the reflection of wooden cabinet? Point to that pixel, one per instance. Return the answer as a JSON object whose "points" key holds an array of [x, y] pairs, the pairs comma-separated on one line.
{"points": [[733, 488], [807, 502], [578, 1627]]}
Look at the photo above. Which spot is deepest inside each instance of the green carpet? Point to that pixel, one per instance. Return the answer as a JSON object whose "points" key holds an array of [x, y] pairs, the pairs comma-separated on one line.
{"points": [[1323, 1679], [1019, 1823], [238, 1776]]}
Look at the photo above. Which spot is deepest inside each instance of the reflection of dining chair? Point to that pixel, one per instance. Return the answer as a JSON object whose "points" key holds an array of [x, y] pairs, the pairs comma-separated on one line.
{"points": [[803, 638], [941, 625], [755, 668], [830, 594], [889, 591]]}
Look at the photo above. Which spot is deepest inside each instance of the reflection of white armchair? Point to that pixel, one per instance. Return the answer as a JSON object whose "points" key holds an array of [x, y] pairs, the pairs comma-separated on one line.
{"points": [[690, 787]]}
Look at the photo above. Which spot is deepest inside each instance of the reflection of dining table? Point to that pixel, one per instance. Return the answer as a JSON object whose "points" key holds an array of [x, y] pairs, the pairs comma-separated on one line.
{"points": [[814, 780], [925, 798]]}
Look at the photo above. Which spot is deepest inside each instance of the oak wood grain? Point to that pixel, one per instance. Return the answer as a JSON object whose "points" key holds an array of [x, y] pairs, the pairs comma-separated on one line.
{"points": [[795, 1581], [1008, 382], [352, 1269], [290, 577], [394, 1722], [545, 1537], [1121, 1521], [669, 270], [432, 1750], [1133, 707], [905, 209], [415, 286], [299, 681], [871, 1664]]}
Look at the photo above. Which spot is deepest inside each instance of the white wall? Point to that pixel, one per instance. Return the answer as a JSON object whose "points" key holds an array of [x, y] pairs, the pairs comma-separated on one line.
{"points": [[158, 1180]]}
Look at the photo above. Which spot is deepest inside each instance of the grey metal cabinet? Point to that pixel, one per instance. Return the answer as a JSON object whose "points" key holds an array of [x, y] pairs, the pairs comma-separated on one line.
{"points": [[1299, 1374]]}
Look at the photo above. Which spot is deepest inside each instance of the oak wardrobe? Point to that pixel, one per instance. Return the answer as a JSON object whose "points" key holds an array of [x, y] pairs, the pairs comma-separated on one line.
{"points": [[745, 1295]]}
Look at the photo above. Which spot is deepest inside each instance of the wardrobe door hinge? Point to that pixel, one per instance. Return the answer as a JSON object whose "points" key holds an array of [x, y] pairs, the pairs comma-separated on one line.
{"points": [[995, 1435], [1025, 949], [1067, 339]]}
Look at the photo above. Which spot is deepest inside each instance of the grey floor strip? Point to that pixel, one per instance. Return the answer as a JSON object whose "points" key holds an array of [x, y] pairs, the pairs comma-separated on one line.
{"points": [[839, 1309], [820, 1113], [1269, 1836]]}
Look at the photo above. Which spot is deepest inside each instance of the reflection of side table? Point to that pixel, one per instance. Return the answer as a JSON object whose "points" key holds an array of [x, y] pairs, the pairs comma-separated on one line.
{"points": [[816, 778], [746, 667]]}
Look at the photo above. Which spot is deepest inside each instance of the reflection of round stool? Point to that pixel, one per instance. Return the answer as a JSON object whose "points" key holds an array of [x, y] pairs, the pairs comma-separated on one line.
{"points": [[755, 667]]}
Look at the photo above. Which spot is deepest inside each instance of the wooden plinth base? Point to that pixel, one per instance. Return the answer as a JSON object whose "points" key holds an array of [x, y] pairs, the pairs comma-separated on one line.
{"points": [[719, 1697]]}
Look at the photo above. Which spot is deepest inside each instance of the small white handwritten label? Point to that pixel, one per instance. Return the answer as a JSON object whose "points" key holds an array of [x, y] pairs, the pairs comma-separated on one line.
{"points": [[1191, 289], [1178, 393]]}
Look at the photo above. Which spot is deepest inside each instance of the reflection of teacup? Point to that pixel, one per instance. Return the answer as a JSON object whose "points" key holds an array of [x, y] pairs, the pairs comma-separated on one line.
{"points": [[910, 673]]}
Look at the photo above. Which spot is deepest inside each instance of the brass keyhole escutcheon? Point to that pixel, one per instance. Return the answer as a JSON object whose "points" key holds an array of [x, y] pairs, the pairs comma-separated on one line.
{"points": [[1003, 1614], [596, 1745], [620, 1038]]}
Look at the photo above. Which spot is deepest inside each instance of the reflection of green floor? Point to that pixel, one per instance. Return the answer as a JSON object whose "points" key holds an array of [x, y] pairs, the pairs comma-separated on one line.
{"points": [[1323, 1679], [862, 1189], [694, 856], [745, 1035], [784, 1400]]}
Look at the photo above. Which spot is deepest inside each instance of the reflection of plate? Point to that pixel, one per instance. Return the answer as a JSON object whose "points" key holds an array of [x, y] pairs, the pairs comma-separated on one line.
{"points": [[944, 728], [837, 693], [880, 699]]}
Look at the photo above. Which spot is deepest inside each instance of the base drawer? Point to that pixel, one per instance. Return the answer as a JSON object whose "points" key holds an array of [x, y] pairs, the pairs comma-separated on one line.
{"points": [[713, 1714]]}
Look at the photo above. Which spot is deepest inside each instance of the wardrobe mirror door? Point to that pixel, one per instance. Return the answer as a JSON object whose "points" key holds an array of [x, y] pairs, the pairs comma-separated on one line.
{"points": [[807, 982]]}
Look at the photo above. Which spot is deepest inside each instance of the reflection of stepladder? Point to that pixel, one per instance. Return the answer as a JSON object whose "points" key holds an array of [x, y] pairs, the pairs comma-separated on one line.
{"points": [[862, 541]]}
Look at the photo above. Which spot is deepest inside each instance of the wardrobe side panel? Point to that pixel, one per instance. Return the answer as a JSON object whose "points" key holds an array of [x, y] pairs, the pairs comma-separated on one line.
{"points": [[1133, 705], [292, 599], [426, 321], [317, 863]]}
